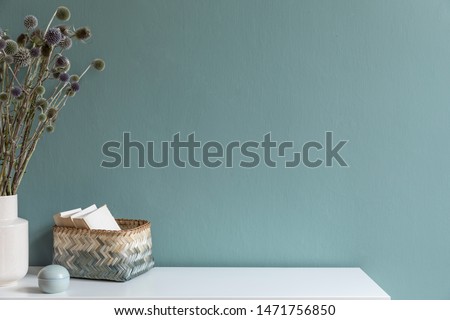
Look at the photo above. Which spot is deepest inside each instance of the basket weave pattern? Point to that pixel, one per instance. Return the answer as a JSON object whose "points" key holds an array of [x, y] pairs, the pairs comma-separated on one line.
{"points": [[102, 254]]}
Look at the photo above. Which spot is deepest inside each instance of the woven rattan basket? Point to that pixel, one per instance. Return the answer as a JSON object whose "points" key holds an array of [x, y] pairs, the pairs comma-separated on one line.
{"points": [[102, 254]]}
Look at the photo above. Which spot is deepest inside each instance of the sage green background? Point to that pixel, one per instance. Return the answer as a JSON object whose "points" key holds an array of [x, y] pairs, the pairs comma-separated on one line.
{"points": [[374, 72]]}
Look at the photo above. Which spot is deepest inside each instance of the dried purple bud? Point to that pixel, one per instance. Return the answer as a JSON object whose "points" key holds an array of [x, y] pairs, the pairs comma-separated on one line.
{"points": [[35, 52], [65, 30], [65, 43], [22, 39], [53, 36], [16, 92], [75, 86], [62, 61], [64, 77]]}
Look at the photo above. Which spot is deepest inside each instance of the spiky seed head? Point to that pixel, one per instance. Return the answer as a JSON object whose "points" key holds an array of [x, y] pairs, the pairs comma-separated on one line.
{"points": [[42, 103], [98, 64], [51, 112], [2, 44], [53, 36], [22, 58], [62, 61], [3, 96], [40, 90], [50, 128], [83, 33], [11, 47], [66, 43], [42, 117], [30, 22], [63, 13], [65, 30], [64, 77], [74, 78]]}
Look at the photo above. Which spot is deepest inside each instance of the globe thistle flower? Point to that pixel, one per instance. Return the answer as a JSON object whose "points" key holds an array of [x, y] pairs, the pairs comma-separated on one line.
{"points": [[40, 90], [75, 86], [63, 13], [74, 78], [22, 39], [51, 112], [11, 47], [9, 60], [35, 52], [22, 58], [3, 96], [30, 22], [53, 36], [50, 128], [16, 92], [62, 62], [41, 102], [2, 44], [83, 33], [65, 43], [98, 64], [42, 117], [64, 77], [65, 30]]}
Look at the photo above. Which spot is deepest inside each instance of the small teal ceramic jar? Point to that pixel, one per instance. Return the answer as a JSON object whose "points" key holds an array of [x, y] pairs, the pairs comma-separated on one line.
{"points": [[53, 279]]}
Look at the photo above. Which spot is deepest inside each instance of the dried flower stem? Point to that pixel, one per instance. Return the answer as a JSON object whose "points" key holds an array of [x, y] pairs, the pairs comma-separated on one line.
{"points": [[23, 95]]}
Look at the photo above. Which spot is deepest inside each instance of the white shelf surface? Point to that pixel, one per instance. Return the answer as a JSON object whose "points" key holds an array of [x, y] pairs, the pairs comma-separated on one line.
{"points": [[214, 283]]}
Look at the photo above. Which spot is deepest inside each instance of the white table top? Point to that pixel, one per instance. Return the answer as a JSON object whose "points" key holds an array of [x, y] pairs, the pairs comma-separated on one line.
{"points": [[214, 283]]}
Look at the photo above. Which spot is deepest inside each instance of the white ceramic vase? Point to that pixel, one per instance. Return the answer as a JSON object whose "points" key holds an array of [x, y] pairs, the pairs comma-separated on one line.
{"points": [[13, 242]]}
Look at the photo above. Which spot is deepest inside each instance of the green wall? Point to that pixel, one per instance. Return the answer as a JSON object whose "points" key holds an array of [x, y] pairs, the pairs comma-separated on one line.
{"points": [[376, 73]]}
